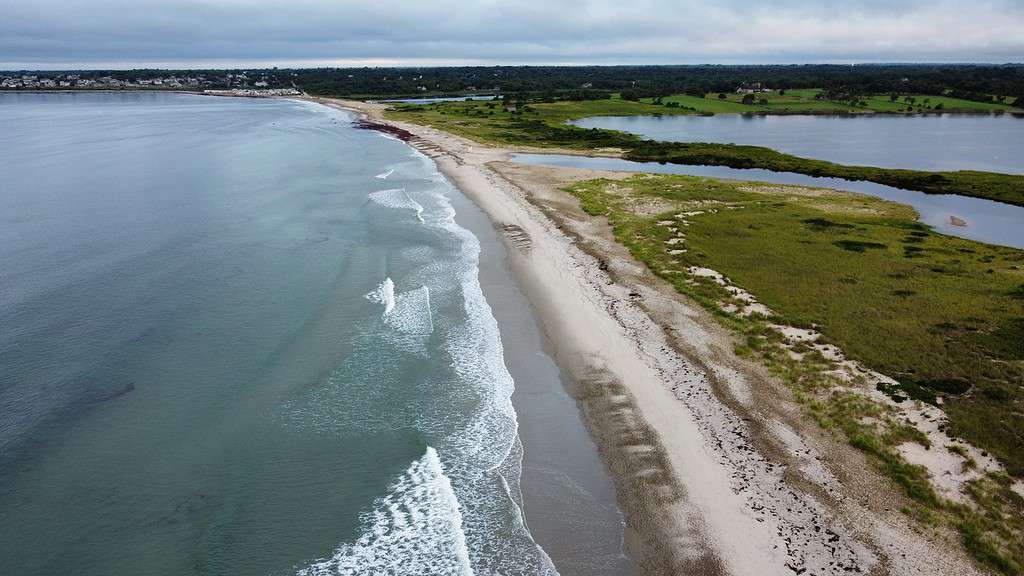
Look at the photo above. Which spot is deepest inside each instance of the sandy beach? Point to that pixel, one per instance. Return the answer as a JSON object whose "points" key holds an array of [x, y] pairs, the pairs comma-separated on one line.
{"points": [[715, 467]]}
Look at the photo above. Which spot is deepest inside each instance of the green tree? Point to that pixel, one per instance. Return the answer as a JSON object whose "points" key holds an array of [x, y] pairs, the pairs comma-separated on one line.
{"points": [[748, 99]]}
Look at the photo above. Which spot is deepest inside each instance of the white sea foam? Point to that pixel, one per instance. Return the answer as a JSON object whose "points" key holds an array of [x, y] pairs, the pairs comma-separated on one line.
{"points": [[469, 417], [408, 313], [411, 313], [415, 529], [399, 199], [384, 175], [485, 451], [387, 136], [384, 294]]}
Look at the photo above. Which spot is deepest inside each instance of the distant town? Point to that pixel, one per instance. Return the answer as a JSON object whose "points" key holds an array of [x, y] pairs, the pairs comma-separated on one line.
{"points": [[235, 83]]}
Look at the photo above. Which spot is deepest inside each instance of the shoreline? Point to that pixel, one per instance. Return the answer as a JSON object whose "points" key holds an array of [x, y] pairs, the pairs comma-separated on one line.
{"points": [[702, 446], [566, 492]]}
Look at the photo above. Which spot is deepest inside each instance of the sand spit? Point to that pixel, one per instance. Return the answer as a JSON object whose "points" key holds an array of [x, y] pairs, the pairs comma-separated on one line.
{"points": [[715, 468]]}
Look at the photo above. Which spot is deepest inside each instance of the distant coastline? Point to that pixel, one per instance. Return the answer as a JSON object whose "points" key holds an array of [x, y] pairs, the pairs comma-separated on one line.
{"points": [[237, 93]]}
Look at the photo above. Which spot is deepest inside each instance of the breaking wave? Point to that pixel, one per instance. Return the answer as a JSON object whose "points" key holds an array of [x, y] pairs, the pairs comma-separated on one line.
{"points": [[397, 198], [384, 294], [457, 510], [407, 313], [415, 529]]}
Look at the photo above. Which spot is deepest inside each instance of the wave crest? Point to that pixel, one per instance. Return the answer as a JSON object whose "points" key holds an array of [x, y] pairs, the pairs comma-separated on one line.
{"points": [[415, 529], [399, 199], [407, 313]]}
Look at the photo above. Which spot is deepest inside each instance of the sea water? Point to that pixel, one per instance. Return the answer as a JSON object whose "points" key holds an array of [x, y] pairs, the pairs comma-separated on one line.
{"points": [[244, 337]]}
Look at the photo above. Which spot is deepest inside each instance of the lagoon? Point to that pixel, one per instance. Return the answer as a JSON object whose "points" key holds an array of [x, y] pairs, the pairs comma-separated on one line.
{"points": [[992, 143]]}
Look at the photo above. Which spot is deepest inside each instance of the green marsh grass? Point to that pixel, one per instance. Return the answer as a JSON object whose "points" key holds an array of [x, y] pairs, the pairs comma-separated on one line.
{"points": [[944, 320]]}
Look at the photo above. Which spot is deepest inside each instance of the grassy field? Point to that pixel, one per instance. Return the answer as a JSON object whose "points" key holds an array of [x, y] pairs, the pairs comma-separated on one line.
{"points": [[793, 101], [804, 102], [535, 125], [491, 123], [543, 126], [942, 315], [884, 104]]}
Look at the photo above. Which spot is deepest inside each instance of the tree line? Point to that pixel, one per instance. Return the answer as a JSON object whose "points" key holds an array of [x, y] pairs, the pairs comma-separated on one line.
{"points": [[550, 83], [973, 82]]}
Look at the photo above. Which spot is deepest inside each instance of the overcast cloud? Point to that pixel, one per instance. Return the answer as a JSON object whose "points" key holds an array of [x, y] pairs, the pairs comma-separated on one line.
{"points": [[220, 33]]}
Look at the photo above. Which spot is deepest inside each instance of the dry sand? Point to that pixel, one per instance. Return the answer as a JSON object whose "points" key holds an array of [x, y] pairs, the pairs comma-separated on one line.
{"points": [[715, 468]]}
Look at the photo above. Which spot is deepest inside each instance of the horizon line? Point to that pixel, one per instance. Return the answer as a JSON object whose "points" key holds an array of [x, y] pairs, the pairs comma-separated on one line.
{"points": [[383, 64]]}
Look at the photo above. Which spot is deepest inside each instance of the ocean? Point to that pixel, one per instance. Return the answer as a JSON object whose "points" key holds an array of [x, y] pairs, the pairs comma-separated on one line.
{"points": [[242, 336]]}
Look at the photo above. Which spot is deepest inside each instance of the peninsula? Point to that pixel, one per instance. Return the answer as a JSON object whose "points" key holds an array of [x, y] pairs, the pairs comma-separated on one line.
{"points": [[687, 308]]}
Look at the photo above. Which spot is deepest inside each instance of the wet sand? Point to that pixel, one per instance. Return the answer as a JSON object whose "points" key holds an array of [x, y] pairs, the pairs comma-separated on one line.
{"points": [[568, 495]]}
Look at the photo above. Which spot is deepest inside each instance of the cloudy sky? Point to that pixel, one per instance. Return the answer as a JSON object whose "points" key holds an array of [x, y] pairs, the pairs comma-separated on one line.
{"points": [[248, 33]]}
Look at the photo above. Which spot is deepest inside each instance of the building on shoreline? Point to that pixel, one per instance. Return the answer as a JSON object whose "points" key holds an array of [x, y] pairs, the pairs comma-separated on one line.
{"points": [[140, 80]]}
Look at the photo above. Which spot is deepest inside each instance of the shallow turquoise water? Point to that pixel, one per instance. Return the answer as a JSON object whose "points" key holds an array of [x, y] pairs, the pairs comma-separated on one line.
{"points": [[243, 337]]}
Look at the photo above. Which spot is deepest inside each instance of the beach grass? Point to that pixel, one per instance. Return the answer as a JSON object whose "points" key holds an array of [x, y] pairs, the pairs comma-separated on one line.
{"points": [[943, 316]]}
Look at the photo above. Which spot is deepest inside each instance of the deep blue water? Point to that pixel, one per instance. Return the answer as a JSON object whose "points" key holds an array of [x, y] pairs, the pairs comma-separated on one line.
{"points": [[243, 337]]}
